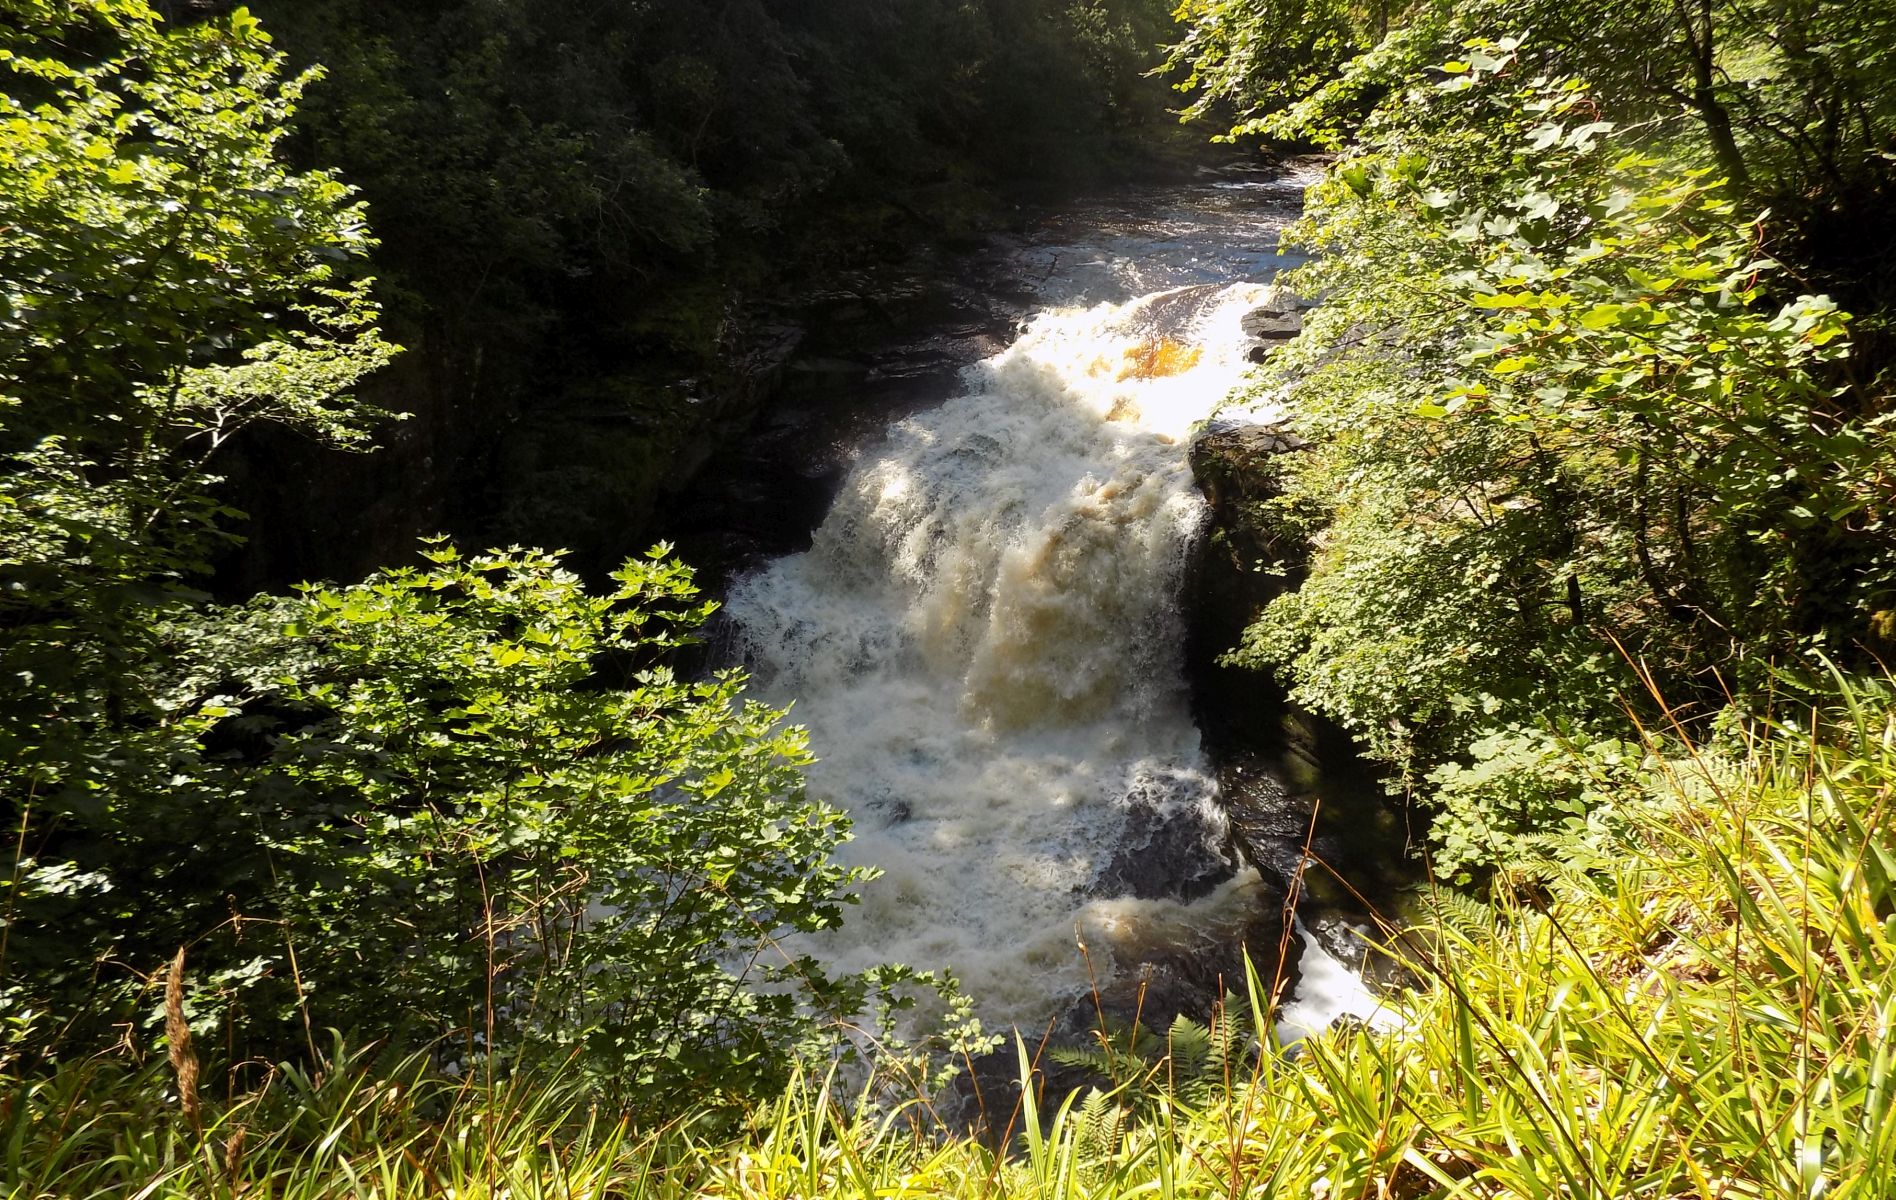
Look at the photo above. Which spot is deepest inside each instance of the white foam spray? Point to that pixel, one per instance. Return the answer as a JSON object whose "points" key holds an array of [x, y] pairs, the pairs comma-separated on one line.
{"points": [[1328, 991], [985, 640]]}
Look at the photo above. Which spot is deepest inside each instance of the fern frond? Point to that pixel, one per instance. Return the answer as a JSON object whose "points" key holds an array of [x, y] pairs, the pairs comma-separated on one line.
{"points": [[1190, 1046], [1460, 913], [1102, 1124], [1096, 1059], [1229, 1029]]}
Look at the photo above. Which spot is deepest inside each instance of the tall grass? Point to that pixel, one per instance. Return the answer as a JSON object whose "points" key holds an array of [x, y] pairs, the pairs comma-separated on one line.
{"points": [[1707, 1015]]}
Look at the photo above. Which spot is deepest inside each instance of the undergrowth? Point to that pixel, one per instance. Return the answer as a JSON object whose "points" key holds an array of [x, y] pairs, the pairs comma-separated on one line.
{"points": [[1707, 1014]]}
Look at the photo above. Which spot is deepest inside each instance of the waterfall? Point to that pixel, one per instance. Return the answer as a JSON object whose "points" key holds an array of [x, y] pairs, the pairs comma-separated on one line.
{"points": [[986, 642]]}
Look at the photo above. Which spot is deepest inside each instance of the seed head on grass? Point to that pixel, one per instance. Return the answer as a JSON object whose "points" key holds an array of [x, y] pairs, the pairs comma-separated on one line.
{"points": [[184, 1062]]}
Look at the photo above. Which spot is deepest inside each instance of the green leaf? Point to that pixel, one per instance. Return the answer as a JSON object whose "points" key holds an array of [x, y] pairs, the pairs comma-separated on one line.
{"points": [[1601, 316]]}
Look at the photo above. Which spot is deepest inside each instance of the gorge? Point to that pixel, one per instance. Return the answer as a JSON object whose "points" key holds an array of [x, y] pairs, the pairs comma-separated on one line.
{"points": [[601, 599]]}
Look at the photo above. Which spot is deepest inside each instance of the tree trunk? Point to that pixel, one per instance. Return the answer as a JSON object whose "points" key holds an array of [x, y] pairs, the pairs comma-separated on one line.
{"points": [[1712, 113]]}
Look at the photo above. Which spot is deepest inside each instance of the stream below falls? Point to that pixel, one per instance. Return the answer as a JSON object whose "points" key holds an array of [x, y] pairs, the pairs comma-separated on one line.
{"points": [[980, 616]]}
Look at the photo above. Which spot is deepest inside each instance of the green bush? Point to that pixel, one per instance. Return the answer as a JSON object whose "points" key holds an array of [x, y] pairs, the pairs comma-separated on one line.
{"points": [[1528, 799], [467, 806], [1576, 441], [471, 803], [167, 281]]}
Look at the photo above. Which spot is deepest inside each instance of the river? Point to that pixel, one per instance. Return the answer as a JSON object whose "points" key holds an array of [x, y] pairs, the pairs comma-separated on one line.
{"points": [[984, 631]]}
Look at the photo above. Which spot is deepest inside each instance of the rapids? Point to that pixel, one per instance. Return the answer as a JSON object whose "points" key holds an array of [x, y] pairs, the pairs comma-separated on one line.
{"points": [[985, 637]]}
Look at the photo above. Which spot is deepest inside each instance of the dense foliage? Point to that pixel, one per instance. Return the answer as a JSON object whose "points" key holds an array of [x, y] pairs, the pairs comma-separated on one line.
{"points": [[1584, 433], [1790, 100], [140, 173], [1596, 491], [465, 806], [1705, 1015]]}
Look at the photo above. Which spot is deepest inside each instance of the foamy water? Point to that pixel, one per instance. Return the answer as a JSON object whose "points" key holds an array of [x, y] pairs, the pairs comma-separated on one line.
{"points": [[1326, 992], [986, 642]]}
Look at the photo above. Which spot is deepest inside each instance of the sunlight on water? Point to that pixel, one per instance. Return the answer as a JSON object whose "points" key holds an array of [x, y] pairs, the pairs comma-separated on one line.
{"points": [[1326, 991], [985, 641]]}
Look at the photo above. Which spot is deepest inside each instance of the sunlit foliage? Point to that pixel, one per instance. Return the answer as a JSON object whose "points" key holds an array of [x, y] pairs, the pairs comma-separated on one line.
{"points": [[1705, 1014], [468, 806], [1578, 434]]}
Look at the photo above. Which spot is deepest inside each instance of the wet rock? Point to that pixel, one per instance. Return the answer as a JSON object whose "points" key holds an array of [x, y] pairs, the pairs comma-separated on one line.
{"points": [[1271, 825], [1165, 855], [1302, 804], [1185, 980], [1348, 940], [841, 306], [980, 448], [1271, 323], [841, 371], [769, 350], [1236, 468], [1271, 326], [1192, 980]]}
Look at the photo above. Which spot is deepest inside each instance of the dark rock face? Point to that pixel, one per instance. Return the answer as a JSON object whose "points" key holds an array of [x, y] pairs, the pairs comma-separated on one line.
{"points": [[1302, 804], [1165, 853], [890, 343], [1236, 468], [1272, 325], [1241, 713]]}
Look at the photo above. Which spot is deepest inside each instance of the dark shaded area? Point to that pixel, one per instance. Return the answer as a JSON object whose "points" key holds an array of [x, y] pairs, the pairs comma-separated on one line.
{"points": [[1293, 783], [606, 228], [878, 344]]}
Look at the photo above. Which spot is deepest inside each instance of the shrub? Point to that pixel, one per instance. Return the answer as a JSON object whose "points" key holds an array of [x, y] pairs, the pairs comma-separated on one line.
{"points": [[468, 801], [1575, 440]]}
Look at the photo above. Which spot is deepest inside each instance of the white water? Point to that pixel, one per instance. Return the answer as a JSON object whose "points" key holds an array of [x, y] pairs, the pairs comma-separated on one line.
{"points": [[1326, 992], [985, 641]]}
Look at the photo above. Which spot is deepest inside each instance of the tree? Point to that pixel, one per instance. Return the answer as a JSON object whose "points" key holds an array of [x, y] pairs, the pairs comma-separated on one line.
{"points": [[167, 281], [1576, 438], [1793, 100], [467, 802]]}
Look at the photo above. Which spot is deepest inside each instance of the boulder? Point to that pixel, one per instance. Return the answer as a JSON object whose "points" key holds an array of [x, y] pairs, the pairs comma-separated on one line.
{"points": [[1272, 323]]}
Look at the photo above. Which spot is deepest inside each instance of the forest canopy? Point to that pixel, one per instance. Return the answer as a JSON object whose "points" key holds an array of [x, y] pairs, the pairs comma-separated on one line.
{"points": [[591, 212]]}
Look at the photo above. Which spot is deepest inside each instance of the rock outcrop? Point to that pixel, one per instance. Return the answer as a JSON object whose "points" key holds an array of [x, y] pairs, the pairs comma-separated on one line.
{"points": [[1293, 786], [1272, 325]]}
